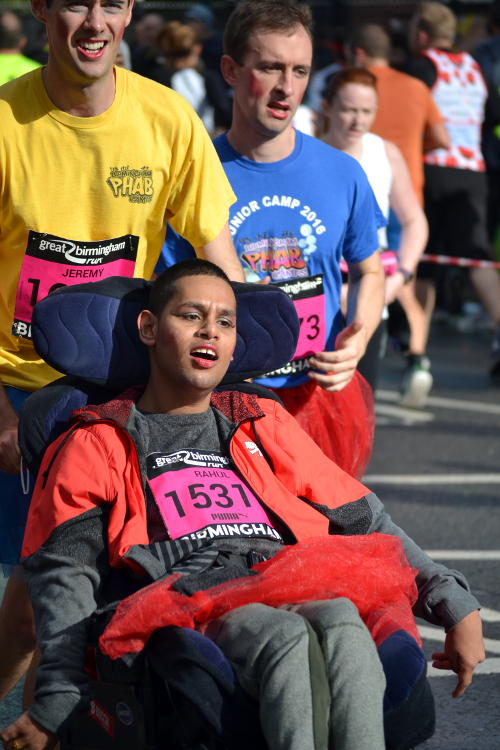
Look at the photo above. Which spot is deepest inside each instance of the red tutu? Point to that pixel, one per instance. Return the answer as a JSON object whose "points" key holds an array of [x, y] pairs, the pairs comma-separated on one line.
{"points": [[342, 423], [371, 571]]}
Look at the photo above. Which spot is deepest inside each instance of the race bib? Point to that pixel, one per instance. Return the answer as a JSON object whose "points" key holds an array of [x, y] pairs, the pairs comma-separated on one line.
{"points": [[51, 262], [308, 297], [200, 495]]}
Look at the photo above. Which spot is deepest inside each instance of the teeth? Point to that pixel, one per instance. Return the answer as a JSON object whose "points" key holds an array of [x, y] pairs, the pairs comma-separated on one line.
{"points": [[92, 46], [207, 352]]}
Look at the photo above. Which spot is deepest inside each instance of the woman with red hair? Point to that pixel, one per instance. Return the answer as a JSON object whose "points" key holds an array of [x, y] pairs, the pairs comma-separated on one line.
{"points": [[349, 108]]}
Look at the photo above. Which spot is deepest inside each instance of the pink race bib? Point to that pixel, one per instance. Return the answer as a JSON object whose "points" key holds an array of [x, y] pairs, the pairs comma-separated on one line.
{"points": [[308, 297], [199, 494], [51, 262]]}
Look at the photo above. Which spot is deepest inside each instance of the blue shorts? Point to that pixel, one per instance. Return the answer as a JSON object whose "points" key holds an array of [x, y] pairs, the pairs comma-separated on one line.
{"points": [[15, 496]]}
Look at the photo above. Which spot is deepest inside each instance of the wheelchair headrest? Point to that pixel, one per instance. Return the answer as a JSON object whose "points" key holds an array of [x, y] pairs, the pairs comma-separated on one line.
{"points": [[89, 331]]}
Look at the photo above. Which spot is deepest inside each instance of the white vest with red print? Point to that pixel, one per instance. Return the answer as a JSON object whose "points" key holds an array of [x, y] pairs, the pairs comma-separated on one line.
{"points": [[460, 94]]}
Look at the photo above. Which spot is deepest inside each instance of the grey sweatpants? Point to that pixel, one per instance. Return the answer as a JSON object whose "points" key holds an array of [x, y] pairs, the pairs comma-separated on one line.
{"points": [[314, 670]]}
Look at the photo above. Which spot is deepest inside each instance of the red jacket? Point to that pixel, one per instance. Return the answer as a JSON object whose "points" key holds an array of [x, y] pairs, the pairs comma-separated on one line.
{"points": [[97, 463], [89, 495]]}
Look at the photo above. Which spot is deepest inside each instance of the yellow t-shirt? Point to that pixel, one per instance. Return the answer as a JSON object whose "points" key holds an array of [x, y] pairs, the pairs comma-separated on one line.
{"points": [[86, 197]]}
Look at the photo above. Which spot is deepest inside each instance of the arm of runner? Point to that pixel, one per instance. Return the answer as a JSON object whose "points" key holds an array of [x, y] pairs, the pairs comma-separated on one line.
{"points": [[436, 136], [221, 252], [463, 651], [414, 228], [364, 311], [435, 132], [10, 455]]}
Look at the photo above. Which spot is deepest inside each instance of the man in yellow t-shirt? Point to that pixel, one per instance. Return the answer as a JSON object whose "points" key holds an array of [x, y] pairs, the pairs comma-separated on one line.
{"points": [[94, 160]]}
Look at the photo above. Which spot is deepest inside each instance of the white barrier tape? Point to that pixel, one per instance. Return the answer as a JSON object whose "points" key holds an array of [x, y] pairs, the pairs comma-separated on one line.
{"points": [[447, 260], [442, 260], [391, 266]]}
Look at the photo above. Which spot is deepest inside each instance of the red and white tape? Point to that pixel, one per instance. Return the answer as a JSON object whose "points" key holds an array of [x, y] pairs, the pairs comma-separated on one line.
{"points": [[447, 260], [391, 265]]}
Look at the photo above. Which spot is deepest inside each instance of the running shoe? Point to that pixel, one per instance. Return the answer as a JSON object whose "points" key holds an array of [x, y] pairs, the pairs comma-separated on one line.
{"points": [[416, 382], [495, 358]]}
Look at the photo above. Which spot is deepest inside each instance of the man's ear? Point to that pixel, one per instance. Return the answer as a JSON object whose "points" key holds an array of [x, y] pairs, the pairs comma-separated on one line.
{"points": [[147, 325], [228, 68], [39, 10], [129, 12]]}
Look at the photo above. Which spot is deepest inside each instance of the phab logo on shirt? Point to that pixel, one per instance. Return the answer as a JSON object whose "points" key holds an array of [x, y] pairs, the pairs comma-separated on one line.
{"points": [[134, 184]]}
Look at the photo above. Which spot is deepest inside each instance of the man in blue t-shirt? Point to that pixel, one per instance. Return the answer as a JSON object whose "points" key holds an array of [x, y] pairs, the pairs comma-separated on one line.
{"points": [[301, 206]]}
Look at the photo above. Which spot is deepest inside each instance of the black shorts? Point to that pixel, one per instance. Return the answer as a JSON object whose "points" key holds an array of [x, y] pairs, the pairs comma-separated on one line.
{"points": [[455, 206]]}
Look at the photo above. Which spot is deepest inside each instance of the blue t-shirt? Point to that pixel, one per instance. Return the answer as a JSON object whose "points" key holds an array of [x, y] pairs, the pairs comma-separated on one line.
{"points": [[296, 218]]}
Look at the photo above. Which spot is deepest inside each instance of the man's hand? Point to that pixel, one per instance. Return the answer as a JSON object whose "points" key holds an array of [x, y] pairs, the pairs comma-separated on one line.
{"points": [[463, 650], [340, 365], [27, 734], [10, 455]]}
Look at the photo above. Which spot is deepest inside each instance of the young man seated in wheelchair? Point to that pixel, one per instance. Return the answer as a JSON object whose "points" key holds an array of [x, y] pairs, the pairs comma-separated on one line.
{"points": [[177, 461]]}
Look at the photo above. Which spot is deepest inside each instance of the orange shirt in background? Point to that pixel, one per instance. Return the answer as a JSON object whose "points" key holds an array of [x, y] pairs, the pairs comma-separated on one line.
{"points": [[405, 109]]}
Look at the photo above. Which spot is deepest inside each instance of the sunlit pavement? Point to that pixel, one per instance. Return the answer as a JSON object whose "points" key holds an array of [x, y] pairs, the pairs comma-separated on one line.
{"points": [[438, 472]]}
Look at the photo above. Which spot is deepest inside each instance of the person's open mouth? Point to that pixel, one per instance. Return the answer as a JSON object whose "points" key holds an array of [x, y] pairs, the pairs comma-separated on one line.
{"points": [[92, 49], [204, 356]]}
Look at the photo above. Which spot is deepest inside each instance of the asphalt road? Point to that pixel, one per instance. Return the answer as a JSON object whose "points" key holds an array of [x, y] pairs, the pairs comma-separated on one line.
{"points": [[438, 472]]}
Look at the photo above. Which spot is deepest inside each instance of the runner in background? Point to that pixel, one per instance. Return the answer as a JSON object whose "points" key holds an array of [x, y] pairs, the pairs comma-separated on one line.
{"points": [[301, 206], [412, 128], [146, 58], [12, 43], [202, 87], [455, 181], [93, 161], [349, 108], [202, 20], [182, 51]]}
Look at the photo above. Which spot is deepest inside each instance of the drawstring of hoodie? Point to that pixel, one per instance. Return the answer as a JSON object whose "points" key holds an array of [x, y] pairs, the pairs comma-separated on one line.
{"points": [[25, 477]]}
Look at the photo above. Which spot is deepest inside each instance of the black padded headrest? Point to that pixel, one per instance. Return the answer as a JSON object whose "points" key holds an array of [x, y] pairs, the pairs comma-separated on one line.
{"points": [[89, 331]]}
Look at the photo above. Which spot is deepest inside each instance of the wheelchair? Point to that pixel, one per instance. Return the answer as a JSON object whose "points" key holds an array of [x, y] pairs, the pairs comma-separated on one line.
{"points": [[181, 691]]}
